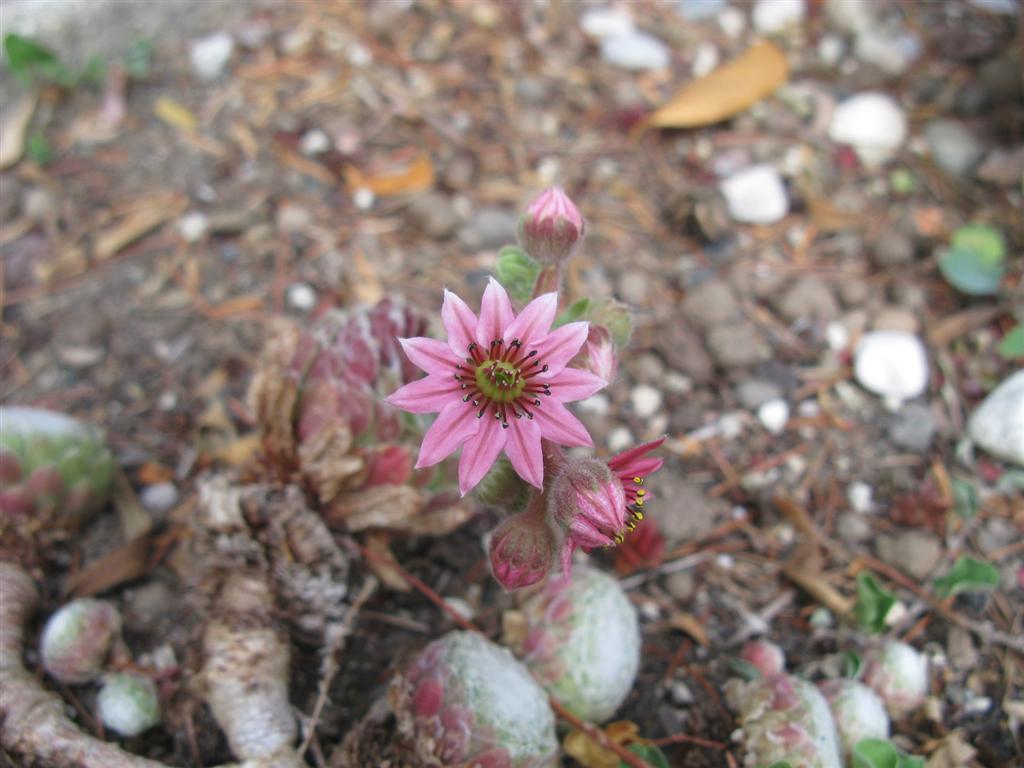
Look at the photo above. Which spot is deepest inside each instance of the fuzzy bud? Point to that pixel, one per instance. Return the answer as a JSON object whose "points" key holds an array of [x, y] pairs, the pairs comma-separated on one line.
{"points": [[898, 674], [465, 701], [588, 502], [128, 703], [598, 354], [78, 638], [582, 642], [503, 488], [551, 227], [522, 549], [858, 712], [766, 657]]}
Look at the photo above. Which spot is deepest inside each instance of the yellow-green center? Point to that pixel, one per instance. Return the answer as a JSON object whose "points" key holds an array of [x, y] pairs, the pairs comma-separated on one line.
{"points": [[499, 380]]}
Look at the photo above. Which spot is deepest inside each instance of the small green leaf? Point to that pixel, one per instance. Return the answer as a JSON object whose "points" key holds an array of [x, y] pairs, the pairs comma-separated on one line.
{"points": [[94, 72], [873, 603], [902, 182], [879, 753], [1011, 347], [138, 59], [852, 664], [39, 149], [743, 669], [965, 498], [968, 575], [517, 272], [653, 756], [577, 311], [975, 261], [24, 53]]}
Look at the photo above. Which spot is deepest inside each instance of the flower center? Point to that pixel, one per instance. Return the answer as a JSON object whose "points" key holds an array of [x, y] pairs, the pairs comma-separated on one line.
{"points": [[499, 380]]}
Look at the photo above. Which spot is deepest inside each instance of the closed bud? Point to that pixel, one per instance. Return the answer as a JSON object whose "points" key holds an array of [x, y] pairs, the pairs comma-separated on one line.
{"points": [[551, 227], [522, 549], [616, 317], [598, 354], [503, 488], [588, 502]]}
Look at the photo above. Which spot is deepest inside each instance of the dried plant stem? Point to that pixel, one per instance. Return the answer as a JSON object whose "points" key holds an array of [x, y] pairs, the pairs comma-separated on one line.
{"points": [[32, 719]]}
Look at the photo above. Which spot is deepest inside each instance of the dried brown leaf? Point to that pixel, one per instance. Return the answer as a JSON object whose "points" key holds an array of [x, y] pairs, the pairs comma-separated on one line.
{"points": [[379, 566], [417, 176], [14, 130], [726, 91], [383, 506], [689, 624], [143, 219]]}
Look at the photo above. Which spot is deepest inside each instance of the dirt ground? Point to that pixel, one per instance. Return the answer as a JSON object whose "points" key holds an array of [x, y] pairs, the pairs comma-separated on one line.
{"points": [[351, 151]]}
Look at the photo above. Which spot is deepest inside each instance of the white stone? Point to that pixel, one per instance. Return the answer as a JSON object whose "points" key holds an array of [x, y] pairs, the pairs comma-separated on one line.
{"points": [[998, 423], [774, 415], [705, 59], [607, 22], [619, 439], [830, 50], [860, 495], [636, 50], [646, 400], [953, 146], [872, 123], [301, 296], [597, 404], [837, 336], [892, 364], [314, 142], [733, 22], [210, 55], [891, 52], [771, 16], [159, 497], [852, 15], [756, 195], [363, 198], [193, 225]]}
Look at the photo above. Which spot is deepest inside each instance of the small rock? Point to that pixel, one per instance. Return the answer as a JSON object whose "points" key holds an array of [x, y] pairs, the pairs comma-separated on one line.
{"points": [[774, 415], [40, 206], [860, 496], [301, 296], [145, 608], [193, 226], [633, 287], [913, 427], [293, 219], [891, 52], [892, 248], [596, 404], [489, 228], [711, 303], [210, 55], [635, 51], [736, 345], [853, 527], [872, 123], [684, 351], [314, 142], [830, 50], [705, 59], [756, 195], [895, 319], [435, 214], [619, 439], [363, 198], [733, 22], [955, 149], [646, 400], [891, 364], [607, 22], [79, 355], [159, 497], [808, 297], [914, 552], [1002, 167], [681, 694], [773, 16], [753, 393], [681, 585], [852, 15], [853, 292], [997, 425]]}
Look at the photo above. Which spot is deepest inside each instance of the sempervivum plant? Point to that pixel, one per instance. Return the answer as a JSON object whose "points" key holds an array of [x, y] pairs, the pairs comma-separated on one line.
{"points": [[465, 701], [583, 642], [55, 471], [784, 718], [898, 674], [858, 712], [79, 638]]}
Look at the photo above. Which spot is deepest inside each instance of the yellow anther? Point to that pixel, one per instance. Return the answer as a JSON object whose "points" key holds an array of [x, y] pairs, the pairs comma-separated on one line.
{"points": [[638, 480], [641, 492], [639, 502], [638, 515], [619, 538]]}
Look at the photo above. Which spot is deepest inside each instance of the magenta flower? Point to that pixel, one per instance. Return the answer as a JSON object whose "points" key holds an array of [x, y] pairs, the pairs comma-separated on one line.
{"points": [[498, 384], [552, 226], [631, 467]]}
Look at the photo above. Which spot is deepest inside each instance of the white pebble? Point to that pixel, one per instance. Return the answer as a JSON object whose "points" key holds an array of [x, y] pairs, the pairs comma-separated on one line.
{"points": [[773, 415], [893, 53], [830, 50], [193, 225], [860, 496], [363, 198], [771, 16], [619, 439], [646, 400], [998, 423], [837, 336], [314, 142], [301, 297], [636, 51], [210, 55], [606, 22], [159, 497], [756, 195], [872, 123], [892, 364], [705, 59], [733, 22], [597, 404]]}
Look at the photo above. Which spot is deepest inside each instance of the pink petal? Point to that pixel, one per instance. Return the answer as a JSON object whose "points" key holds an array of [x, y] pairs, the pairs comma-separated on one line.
{"points": [[642, 467], [559, 426], [523, 450], [460, 323], [495, 314], [560, 346], [619, 462], [480, 451], [431, 355], [573, 384], [427, 395], [455, 424], [534, 321]]}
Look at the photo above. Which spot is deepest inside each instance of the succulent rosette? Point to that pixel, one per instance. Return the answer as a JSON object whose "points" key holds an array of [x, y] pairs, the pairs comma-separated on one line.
{"points": [[898, 674], [464, 701], [582, 642], [79, 638], [858, 712], [784, 718], [128, 703], [55, 471]]}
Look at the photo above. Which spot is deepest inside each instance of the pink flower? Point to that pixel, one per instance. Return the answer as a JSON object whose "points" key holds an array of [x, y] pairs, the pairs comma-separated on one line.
{"points": [[631, 467], [588, 503], [552, 226], [522, 549], [498, 384]]}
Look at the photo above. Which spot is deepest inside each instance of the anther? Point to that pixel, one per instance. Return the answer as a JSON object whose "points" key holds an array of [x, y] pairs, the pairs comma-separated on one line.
{"points": [[638, 480]]}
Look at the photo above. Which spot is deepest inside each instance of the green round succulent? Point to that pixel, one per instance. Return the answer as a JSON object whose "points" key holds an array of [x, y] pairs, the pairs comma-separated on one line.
{"points": [[54, 470]]}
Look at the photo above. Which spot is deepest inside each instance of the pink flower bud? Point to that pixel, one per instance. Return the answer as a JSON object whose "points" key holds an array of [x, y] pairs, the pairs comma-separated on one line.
{"points": [[551, 226], [766, 657], [598, 354], [522, 549], [588, 502]]}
